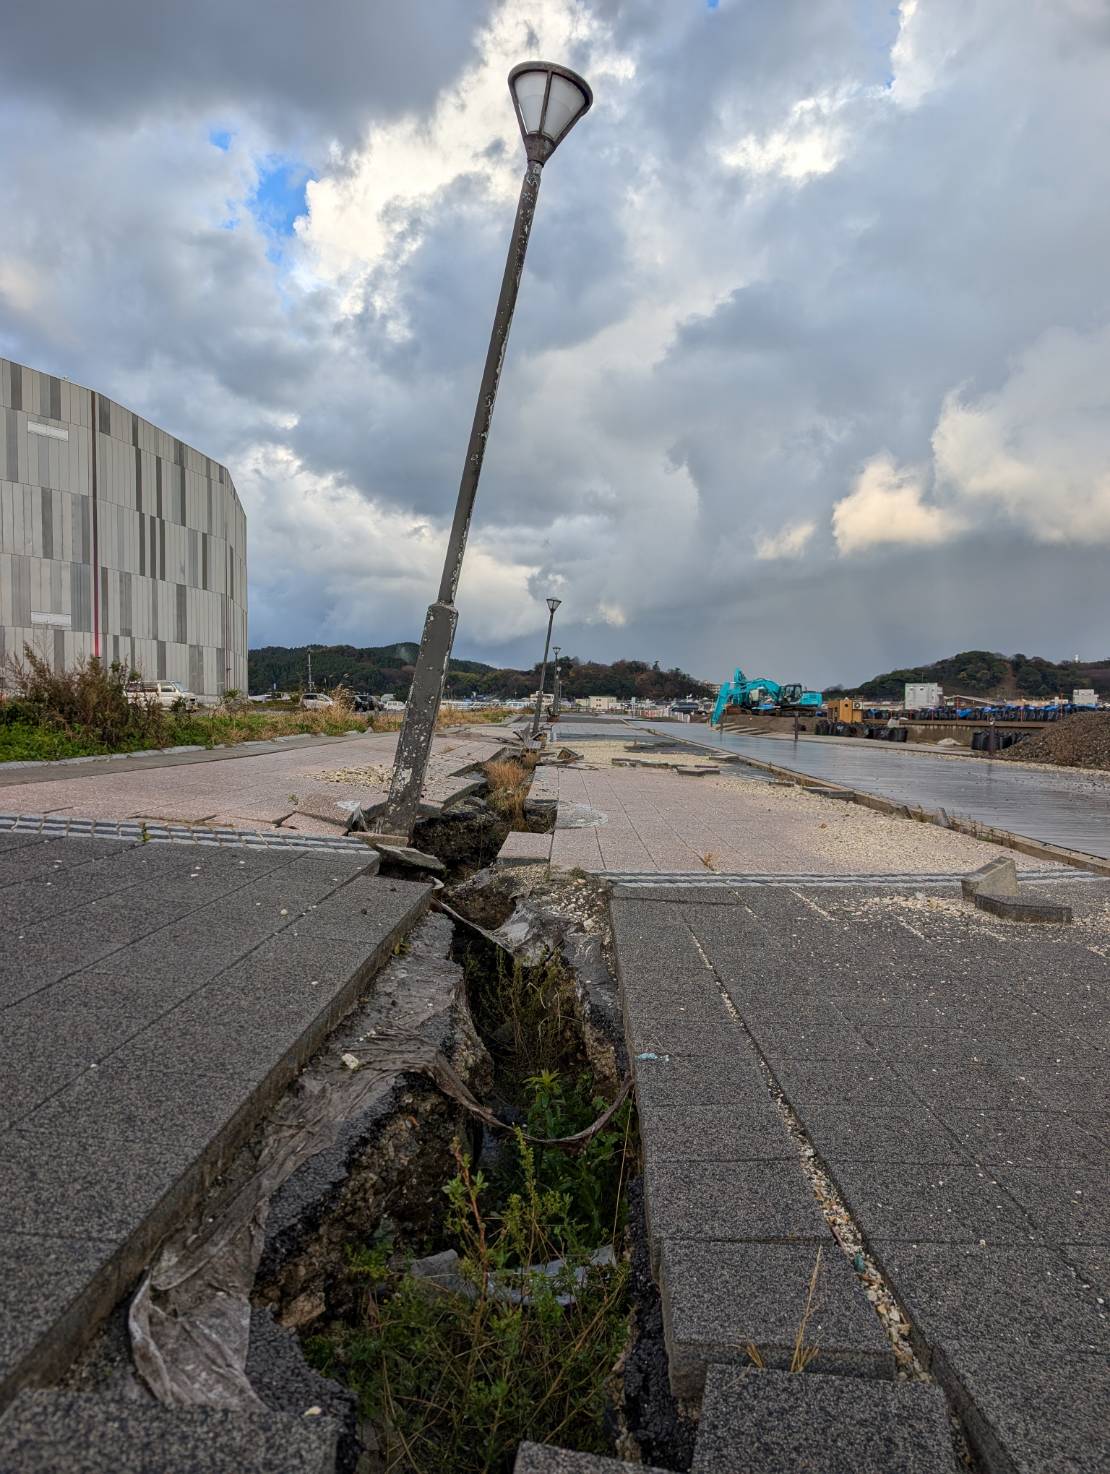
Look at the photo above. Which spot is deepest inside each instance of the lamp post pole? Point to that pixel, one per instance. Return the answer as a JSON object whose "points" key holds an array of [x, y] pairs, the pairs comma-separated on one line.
{"points": [[552, 605], [548, 100], [556, 689]]}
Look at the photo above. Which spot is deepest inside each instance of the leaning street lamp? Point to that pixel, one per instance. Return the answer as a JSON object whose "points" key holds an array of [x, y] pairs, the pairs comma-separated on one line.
{"points": [[556, 695], [548, 100], [552, 604]]}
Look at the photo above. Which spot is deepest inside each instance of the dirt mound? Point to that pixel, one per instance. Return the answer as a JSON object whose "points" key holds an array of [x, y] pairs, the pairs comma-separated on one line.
{"points": [[1079, 741]]}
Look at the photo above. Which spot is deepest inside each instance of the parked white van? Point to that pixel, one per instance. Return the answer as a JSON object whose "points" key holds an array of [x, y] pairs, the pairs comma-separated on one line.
{"points": [[161, 693]]}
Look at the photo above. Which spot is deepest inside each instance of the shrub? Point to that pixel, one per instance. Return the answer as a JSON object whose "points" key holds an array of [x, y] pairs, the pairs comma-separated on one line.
{"points": [[89, 699]]}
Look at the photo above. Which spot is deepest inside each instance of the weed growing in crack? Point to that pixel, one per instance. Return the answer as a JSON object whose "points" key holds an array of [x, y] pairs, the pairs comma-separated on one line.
{"points": [[453, 1374], [525, 1013]]}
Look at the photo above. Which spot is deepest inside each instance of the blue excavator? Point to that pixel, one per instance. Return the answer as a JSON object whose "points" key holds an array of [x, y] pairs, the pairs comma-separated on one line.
{"points": [[763, 694]]}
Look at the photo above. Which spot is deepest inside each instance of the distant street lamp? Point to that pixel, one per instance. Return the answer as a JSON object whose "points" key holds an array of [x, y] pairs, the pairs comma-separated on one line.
{"points": [[552, 604], [556, 691], [548, 101]]}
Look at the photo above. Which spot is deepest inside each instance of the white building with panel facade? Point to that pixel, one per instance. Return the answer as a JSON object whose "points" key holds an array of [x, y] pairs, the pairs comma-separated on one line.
{"points": [[116, 540]]}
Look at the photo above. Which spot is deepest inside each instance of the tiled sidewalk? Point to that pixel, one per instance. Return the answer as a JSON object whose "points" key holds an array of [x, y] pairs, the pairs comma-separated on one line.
{"points": [[949, 1073], [154, 1000], [252, 792]]}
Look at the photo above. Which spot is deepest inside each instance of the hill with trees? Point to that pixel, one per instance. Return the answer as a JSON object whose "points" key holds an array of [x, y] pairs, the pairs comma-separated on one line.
{"points": [[388, 668], [987, 674]]}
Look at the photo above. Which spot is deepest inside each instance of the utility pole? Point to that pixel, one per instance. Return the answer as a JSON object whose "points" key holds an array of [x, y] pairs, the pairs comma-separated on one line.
{"points": [[556, 687]]}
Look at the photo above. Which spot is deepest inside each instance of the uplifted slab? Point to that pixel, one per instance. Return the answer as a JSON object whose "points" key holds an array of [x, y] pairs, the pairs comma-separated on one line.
{"points": [[154, 1000]]}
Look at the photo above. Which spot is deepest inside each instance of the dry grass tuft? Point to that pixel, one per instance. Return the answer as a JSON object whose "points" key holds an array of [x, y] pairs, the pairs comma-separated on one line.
{"points": [[509, 780]]}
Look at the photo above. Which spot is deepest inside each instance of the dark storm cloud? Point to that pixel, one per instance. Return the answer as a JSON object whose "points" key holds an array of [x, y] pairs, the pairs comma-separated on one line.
{"points": [[327, 66]]}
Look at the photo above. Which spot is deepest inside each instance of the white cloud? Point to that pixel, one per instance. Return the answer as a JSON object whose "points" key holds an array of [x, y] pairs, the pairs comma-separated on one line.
{"points": [[790, 541], [811, 141], [1037, 451], [887, 506]]}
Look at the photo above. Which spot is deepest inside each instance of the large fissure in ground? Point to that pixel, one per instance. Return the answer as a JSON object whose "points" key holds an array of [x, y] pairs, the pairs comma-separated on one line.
{"points": [[491, 1301]]}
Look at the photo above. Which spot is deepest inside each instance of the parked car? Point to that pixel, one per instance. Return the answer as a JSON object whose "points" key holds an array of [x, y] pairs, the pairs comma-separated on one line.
{"points": [[316, 700], [161, 693]]}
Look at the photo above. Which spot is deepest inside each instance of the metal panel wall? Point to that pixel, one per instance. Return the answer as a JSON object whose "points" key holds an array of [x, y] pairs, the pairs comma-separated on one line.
{"points": [[121, 530]]}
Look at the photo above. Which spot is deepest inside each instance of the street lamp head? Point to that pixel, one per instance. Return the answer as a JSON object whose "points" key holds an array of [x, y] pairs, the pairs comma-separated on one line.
{"points": [[549, 100], [553, 604]]}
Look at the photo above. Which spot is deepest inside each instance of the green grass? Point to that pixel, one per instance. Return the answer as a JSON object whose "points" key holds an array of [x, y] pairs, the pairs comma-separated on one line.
{"points": [[22, 741]]}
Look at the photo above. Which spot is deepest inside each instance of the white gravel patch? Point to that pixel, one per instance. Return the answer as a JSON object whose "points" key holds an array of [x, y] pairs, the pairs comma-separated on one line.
{"points": [[857, 839]]}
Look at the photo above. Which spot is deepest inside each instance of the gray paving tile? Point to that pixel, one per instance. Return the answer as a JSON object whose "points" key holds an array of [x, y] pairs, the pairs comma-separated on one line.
{"points": [[695, 1027], [263, 1003], [820, 1424], [931, 1204], [713, 1133], [42, 1279], [1092, 1264], [1030, 1413], [726, 1201], [695, 1080], [43, 1430], [1002, 1295], [972, 1087], [850, 1082], [1022, 1137], [803, 1041], [880, 1134], [101, 1188], [130, 1101], [1068, 1205], [721, 1299]]}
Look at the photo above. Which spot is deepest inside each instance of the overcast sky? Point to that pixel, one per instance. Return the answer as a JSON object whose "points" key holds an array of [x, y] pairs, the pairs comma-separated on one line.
{"points": [[810, 370]]}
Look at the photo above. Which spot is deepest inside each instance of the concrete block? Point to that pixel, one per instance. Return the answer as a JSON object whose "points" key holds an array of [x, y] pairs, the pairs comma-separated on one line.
{"points": [[525, 849], [731, 1201], [769, 1422], [720, 1299], [46, 1431], [408, 858], [1028, 908], [994, 888], [998, 875]]}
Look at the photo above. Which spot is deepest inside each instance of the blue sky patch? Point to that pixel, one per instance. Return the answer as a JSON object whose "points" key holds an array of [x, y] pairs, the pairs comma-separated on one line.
{"points": [[220, 138], [279, 196]]}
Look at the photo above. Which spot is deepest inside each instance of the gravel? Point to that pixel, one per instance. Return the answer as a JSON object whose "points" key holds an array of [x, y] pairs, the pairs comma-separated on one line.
{"points": [[853, 839], [1079, 741]]}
